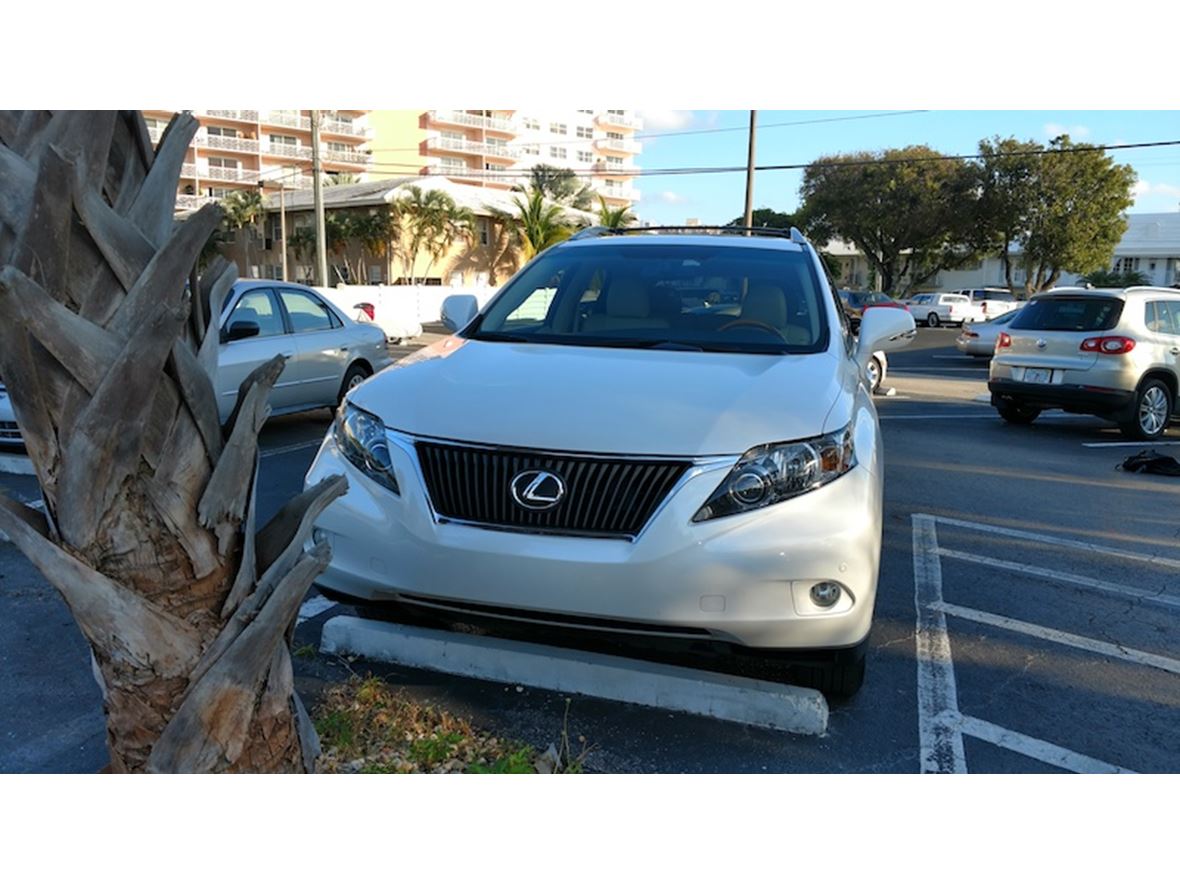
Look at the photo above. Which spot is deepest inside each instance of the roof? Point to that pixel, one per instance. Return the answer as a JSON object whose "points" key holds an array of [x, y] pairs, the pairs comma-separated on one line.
{"points": [[386, 190], [1129, 292], [637, 237]]}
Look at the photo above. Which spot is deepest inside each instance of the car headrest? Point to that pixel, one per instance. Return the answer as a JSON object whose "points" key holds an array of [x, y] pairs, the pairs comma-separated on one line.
{"points": [[765, 304], [628, 298], [245, 315]]}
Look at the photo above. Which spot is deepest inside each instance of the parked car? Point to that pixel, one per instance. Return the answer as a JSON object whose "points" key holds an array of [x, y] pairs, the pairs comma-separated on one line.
{"points": [[328, 353], [994, 302], [856, 303], [1114, 353], [10, 437], [944, 308], [591, 451], [979, 339], [393, 309]]}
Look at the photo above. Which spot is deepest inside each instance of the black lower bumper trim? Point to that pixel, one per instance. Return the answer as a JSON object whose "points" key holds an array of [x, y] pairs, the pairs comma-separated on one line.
{"points": [[1071, 398]]}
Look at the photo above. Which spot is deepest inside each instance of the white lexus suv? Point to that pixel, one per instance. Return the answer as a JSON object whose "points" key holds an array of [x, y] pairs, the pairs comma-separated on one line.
{"points": [[644, 432]]}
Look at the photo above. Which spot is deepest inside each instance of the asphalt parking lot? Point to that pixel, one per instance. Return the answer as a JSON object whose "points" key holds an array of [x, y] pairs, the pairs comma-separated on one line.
{"points": [[1028, 614]]}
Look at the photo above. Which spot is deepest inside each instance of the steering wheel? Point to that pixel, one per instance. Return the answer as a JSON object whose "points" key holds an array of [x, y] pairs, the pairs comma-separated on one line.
{"points": [[765, 327]]}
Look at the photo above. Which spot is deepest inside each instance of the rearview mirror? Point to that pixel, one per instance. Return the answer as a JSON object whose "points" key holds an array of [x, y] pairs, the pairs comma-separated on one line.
{"points": [[458, 311], [884, 328], [242, 329]]}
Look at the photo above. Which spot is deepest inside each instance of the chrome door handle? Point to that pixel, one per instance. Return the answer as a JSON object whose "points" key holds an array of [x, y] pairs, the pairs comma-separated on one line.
{"points": [[1176, 351], [344, 350]]}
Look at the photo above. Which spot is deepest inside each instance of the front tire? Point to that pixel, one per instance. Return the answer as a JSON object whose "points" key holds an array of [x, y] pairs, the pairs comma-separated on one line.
{"points": [[873, 370], [1014, 413], [836, 680], [1152, 410], [932, 320]]}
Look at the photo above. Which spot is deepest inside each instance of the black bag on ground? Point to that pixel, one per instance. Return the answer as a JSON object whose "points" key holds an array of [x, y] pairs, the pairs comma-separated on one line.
{"points": [[1151, 462]]}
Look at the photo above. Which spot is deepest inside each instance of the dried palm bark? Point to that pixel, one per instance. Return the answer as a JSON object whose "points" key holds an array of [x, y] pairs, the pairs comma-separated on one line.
{"points": [[108, 347]]}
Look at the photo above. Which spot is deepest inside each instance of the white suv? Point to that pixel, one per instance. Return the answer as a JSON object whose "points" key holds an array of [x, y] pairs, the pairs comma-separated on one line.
{"points": [[651, 434], [943, 308]]}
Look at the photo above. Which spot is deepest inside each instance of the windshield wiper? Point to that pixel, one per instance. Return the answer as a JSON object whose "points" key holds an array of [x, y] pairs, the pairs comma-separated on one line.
{"points": [[501, 336], [638, 343]]}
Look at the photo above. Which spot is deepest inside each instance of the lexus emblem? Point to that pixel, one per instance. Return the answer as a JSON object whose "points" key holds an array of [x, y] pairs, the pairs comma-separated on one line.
{"points": [[537, 489], [1041, 343]]}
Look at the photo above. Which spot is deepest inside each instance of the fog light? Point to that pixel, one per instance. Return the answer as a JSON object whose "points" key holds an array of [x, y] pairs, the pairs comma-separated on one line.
{"points": [[319, 536], [826, 593]]}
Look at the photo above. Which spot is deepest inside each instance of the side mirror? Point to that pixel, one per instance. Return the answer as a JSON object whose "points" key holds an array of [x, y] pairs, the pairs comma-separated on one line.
{"points": [[883, 328], [242, 329], [458, 311]]}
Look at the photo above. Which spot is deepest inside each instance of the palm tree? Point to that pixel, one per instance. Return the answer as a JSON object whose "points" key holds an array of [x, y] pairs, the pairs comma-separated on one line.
{"points": [[149, 529], [451, 223], [374, 231], [427, 222], [614, 218], [243, 209], [539, 225]]}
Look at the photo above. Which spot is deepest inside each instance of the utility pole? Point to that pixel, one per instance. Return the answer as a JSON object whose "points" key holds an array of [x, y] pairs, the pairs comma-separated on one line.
{"points": [[749, 222], [317, 171], [283, 225]]}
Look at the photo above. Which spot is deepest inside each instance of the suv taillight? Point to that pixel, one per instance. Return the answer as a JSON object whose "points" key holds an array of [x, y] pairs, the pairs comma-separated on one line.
{"points": [[1005, 340], [1112, 344]]}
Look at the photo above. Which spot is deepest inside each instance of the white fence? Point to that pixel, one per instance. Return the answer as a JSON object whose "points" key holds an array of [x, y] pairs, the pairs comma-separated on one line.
{"points": [[401, 311]]}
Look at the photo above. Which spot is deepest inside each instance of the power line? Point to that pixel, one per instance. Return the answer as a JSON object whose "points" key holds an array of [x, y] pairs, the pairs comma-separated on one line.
{"points": [[680, 133], [774, 167]]}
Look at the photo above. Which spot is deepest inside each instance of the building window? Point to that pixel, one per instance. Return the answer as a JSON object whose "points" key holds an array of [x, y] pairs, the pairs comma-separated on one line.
{"points": [[338, 146], [585, 157], [585, 112], [224, 163], [558, 128], [284, 139], [530, 123], [220, 193], [557, 153], [222, 130], [532, 150], [452, 165], [484, 232], [585, 132], [617, 136], [1126, 265], [615, 162]]}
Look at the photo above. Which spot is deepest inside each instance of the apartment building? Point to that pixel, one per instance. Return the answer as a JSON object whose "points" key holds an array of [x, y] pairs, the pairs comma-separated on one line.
{"points": [[233, 150], [491, 148]]}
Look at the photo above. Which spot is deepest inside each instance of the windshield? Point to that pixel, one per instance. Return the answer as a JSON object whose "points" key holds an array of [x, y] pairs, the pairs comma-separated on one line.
{"points": [[682, 297]]}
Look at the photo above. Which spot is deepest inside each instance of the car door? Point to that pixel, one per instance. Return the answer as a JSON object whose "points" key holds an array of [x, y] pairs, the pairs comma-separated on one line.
{"points": [[321, 343], [1166, 326], [237, 359]]}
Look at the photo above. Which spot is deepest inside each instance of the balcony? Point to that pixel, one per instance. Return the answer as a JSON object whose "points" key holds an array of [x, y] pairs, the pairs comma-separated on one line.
{"points": [[357, 158], [614, 168], [629, 194], [294, 151], [219, 173], [226, 143], [290, 119], [468, 146], [475, 121], [345, 127], [617, 121], [244, 116], [618, 145], [436, 168], [189, 201]]}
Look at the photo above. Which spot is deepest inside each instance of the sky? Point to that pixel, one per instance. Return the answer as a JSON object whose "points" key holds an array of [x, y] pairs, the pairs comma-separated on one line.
{"points": [[718, 198]]}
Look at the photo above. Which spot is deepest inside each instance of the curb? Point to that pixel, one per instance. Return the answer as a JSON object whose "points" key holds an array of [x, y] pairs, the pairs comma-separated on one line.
{"points": [[716, 695]]}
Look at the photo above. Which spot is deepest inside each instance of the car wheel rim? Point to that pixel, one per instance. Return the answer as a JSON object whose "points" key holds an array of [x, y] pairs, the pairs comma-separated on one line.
{"points": [[355, 381], [874, 374], [1153, 410]]}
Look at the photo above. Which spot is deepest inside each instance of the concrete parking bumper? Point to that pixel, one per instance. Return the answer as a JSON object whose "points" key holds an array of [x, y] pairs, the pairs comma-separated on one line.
{"points": [[719, 696]]}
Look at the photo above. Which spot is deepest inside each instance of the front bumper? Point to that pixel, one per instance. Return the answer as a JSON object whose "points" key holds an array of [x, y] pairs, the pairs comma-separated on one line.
{"points": [[743, 579]]}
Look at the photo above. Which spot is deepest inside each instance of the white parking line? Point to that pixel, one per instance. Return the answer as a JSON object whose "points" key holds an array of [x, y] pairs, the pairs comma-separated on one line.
{"points": [[940, 741], [1157, 597], [1058, 541], [284, 450], [1043, 751], [1133, 445], [316, 605], [1085, 643], [943, 356]]}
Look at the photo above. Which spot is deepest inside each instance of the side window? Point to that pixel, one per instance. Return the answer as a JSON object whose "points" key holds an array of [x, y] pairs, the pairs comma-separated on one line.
{"points": [[307, 313], [1167, 317], [258, 306], [535, 306]]}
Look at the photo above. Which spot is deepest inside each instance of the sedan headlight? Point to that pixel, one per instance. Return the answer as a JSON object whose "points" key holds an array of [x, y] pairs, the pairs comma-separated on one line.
{"points": [[772, 473], [361, 438]]}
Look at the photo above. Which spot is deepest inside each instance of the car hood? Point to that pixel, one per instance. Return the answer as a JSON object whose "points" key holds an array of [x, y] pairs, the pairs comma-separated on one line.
{"points": [[603, 399]]}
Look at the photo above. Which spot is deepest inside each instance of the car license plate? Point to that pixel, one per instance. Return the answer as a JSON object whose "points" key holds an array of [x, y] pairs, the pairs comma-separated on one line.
{"points": [[1038, 376]]}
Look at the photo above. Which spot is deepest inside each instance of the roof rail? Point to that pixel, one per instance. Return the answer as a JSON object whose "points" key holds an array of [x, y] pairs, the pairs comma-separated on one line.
{"points": [[599, 231]]}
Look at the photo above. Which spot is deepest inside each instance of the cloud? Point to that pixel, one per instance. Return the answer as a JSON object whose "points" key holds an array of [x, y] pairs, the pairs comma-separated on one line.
{"points": [[670, 198], [666, 120], [1052, 130], [1146, 188]]}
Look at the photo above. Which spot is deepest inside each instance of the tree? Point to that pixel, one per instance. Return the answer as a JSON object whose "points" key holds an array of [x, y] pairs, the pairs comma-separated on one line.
{"points": [[614, 218], [767, 218], [243, 209], [108, 352], [561, 186], [539, 225], [428, 222], [908, 210], [1075, 220], [1007, 174], [1113, 279]]}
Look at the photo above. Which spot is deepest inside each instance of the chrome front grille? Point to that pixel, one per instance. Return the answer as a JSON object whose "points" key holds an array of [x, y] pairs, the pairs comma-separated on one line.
{"points": [[603, 496], [9, 432]]}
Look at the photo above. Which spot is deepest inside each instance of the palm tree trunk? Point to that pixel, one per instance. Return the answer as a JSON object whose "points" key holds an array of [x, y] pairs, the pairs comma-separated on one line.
{"points": [[149, 526]]}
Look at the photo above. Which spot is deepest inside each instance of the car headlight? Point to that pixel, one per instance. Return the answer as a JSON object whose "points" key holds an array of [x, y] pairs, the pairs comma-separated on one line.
{"points": [[361, 438], [772, 473]]}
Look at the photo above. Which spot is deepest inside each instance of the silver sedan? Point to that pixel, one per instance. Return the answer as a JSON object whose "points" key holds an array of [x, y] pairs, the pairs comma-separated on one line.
{"points": [[327, 353], [979, 339], [9, 434]]}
